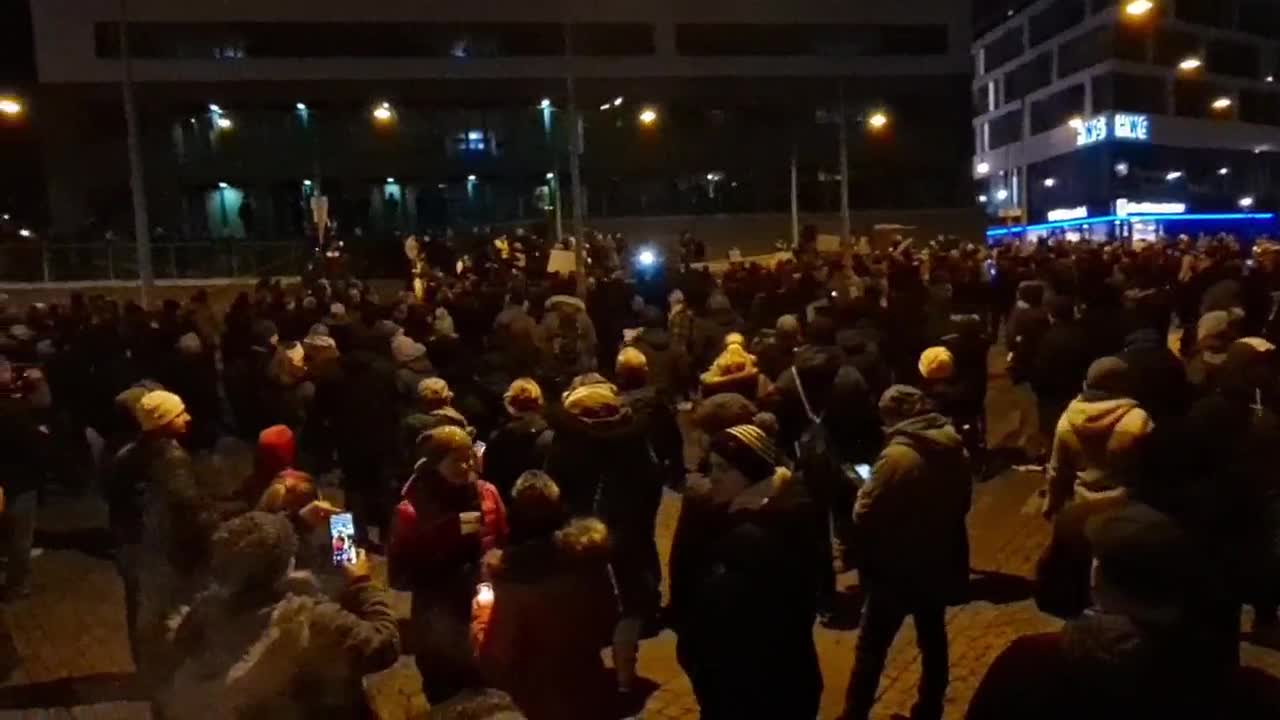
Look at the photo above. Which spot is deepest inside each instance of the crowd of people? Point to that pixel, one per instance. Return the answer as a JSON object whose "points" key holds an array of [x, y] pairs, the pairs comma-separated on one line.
{"points": [[506, 445]]}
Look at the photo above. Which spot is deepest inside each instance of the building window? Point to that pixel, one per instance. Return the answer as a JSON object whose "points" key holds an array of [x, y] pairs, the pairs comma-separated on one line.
{"points": [[1260, 107], [1216, 13], [1055, 20], [705, 39], [1028, 77], [1055, 110], [471, 141], [1174, 46], [1005, 130], [612, 39], [1084, 51], [1260, 17], [1130, 93], [1003, 49], [1228, 57]]}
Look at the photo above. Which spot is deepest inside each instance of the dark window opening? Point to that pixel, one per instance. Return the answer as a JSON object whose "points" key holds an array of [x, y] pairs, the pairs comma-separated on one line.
{"points": [[1055, 110], [1129, 93], [1084, 51], [1227, 57], [1205, 12], [1003, 49], [704, 39], [1055, 19], [1029, 77], [1006, 129]]}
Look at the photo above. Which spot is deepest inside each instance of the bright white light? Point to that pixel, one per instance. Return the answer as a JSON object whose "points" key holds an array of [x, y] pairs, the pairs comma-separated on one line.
{"points": [[1076, 122], [617, 102], [306, 183], [1002, 194], [390, 180], [546, 103], [1122, 168], [1246, 201], [223, 185], [606, 106], [878, 120], [9, 106], [982, 198], [984, 168], [213, 107], [382, 112], [24, 232], [385, 105], [1222, 103], [1050, 182], [647, 258], [1224, 171], [1190, 63], [648, 116], [1174, 175], [471, 178], [302, 107], [5, 216], [551, 176], [1138, 8], [224, 122], [1271, 78]]}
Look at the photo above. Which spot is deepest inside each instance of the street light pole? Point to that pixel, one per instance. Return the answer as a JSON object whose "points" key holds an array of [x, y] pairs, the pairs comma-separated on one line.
{"points": [[576, 142], [141, 225], [795, 199], [844, 172]]}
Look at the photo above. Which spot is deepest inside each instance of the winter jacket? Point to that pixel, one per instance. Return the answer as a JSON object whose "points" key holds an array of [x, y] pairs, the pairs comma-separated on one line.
{"points": [[656, 414], [1159, 378], [669, 369], [1109, 666], [554, 608], [709, 332], [1027, 328], [746, 638], [836, 392], [407, 378], [910, 516], [156, 500], [1095, 449], [24, 448], [520, 444], [1060, 363], [294, 658]]}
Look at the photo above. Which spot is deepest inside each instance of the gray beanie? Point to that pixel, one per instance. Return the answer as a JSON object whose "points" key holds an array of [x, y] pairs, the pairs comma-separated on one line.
{"points": [[252, 551], [901, 403], [1108, 378]]}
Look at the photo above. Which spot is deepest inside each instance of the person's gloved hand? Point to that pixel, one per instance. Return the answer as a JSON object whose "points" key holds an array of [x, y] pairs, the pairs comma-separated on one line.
{"points": [[358, 571]]}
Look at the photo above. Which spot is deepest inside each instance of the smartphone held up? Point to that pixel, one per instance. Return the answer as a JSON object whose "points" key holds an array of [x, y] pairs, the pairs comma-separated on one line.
{"points": [[342, 538]]}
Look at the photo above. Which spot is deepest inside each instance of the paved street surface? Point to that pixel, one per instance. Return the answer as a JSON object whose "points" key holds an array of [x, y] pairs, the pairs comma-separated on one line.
{"points": [[75, 664]]}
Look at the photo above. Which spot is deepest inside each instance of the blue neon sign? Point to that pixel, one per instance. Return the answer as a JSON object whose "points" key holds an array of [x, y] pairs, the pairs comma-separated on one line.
{"points": [[1121, 126]]}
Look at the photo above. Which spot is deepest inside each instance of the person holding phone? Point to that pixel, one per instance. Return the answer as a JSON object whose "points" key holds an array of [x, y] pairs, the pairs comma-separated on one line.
{"points": [[449, 518]]}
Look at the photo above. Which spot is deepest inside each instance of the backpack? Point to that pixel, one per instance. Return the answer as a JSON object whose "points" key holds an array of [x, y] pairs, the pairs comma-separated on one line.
{"points": [[567, 344], [818, 458]]}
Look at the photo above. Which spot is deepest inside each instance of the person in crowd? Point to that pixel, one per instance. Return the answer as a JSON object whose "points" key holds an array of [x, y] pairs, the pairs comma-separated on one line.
{"points": [[365, 422], [165, 521], [741, 665], [680, 328], [710, 329], [1214, 334], [1140, 653], [247, 389], [519, 443], [1060, 364], [277, 452], [194, 378], [538, 634], [734, 371], [655, 411], [1097, 441], [776, 351], [1158, 376], [248, 647], [449, 518], [25, 448], [434, 409], [412, 366], [910, 521], [569, 339], [602, 460], [668, 366]]}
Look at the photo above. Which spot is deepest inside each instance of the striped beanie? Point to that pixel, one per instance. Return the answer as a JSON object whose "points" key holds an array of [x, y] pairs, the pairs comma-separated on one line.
{"points": [[598, 401], [748, 449]]}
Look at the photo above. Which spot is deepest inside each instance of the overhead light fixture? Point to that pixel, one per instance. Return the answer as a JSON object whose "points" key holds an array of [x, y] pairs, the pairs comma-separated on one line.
{"points": [[878, 119], [224, 122], [1138, 8], [1002, 194], [1122, 168], [983, 167], [648, 116], [1076, 122], [382, 112], [10, 106], [1224, 171], [223, 185], [24, 232], [1271, 78], [471, 178], [551, 176], [1190, 63], [1173, 175], [306, 183], [390, 180], [1050, 182], [546, 103], [214, 107], [1222, 103], [302, 107], [982, 198], [1246, 201], [606, 106], [617, 102]]}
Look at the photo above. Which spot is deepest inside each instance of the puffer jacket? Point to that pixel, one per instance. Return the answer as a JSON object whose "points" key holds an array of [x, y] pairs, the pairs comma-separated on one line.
{"points": [[554, 608], [299, 657], [1095, 449], [910, 516], [518, 445]]}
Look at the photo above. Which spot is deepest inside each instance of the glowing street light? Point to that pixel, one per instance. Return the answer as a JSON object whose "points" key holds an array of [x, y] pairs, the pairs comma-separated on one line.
{"points": [[647, 258], [390, 180], [215, 108], [606, 106], [1050, 182], [551, 176], [648, 116], [1221, 103], [1190, 63], [1002, 194], [982, 198], [302, 107], [24, 232], [224, 122], [223, 186], [10, 106], [1076, 122], [382, 113], [1138, 8], [1224, 171], [617, 102], [1246, 201], [1173, 175], [983, 168], [878, 119], [545, 104], [306, 183], [471, 178]]}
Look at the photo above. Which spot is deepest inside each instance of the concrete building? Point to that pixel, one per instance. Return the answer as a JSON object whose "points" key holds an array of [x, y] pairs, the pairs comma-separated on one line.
{"points": [[412, 115], [1091, 115]]}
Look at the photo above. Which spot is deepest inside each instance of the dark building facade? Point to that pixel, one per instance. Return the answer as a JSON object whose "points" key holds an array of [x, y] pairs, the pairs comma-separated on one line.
{"points": [[411, 116]]}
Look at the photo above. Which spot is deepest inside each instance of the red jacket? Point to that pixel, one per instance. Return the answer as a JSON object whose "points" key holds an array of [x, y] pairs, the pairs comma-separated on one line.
{"points": [[427, 542]]}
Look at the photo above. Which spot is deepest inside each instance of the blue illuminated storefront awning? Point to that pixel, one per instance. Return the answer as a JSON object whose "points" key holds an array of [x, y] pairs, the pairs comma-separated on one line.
{"points": [[996, 232]]}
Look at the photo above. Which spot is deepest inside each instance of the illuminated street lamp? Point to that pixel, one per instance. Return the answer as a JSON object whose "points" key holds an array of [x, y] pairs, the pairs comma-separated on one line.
{"points": [[1221, 103], [223, 186], [545, 104], [1076, 122], [224, 122], [383, 112], [302, 107], [617, 102], [983, 168], [10, 106], [1173, 175], [1138, 8], [1050, 182], [1190, 63], [1224, 171], [877, 120], [648, 116], [1246, 201], [1002, 194]]}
